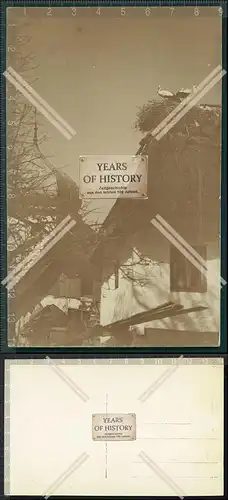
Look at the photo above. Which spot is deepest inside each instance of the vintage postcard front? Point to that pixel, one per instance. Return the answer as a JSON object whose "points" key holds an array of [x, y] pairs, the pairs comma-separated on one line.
{"points": [[114, 176], [152, 427]]}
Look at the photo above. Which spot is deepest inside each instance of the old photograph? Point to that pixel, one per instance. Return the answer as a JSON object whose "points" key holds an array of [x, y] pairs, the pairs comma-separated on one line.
{"points": [[114, 176]]}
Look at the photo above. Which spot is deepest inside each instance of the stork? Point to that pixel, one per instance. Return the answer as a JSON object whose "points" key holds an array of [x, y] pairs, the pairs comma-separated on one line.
{"points": [[205, 107], [164, 93], [185, 92]]}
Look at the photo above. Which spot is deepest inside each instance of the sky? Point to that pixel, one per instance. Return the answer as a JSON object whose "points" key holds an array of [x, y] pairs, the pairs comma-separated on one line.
{"points": [[97, 70]]}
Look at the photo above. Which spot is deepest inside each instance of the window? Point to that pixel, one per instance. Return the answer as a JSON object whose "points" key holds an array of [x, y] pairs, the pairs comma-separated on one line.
{"points": [[69, 287], [116, 274], [87, 285], [63, 286], [184, 276]]}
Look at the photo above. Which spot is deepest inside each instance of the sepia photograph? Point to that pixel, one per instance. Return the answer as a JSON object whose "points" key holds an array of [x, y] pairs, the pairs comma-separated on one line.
{"points": [[113, 176]]}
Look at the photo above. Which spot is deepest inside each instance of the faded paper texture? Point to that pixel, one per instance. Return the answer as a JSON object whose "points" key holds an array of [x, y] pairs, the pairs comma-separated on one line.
{"points": [[114, 272], [178, 449]]}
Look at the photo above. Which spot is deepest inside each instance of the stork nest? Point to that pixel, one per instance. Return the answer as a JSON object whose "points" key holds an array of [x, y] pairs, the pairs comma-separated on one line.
{"points": [[201, 119]]}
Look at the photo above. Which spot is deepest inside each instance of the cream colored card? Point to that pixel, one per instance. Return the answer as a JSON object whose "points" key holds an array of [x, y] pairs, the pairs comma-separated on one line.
{"points": [[178, 407]]}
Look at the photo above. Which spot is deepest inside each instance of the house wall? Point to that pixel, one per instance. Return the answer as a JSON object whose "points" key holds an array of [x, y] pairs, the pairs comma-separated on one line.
{"points": [[66, 287], [149, 285]]}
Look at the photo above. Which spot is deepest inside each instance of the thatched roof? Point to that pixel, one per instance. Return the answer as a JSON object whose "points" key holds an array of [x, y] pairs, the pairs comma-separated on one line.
{"points": [[183, 175], [69, 255]]}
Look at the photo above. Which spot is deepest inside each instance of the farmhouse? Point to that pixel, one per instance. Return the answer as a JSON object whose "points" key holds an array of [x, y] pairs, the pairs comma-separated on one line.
{"points": [[56, 297], [144, 272]]}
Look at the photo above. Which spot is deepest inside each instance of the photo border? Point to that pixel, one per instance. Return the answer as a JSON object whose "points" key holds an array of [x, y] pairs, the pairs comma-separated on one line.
{"points": [[112, 351]]}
